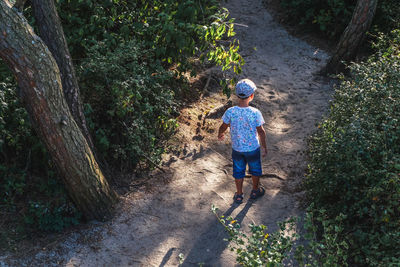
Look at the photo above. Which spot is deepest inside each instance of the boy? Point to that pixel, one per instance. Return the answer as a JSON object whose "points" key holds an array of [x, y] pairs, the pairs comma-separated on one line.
{"points": [[247, 133]]}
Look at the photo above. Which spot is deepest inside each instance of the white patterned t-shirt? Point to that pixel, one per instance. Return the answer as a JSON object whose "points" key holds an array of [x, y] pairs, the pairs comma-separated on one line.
{"points": [[243, 122]]}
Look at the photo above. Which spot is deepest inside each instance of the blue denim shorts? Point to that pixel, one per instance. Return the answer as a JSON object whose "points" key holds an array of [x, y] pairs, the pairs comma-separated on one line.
{"points": [[240, 161]]}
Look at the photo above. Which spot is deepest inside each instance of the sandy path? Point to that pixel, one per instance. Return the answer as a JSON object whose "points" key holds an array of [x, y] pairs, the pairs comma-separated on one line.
{"points": [[152, 229]]}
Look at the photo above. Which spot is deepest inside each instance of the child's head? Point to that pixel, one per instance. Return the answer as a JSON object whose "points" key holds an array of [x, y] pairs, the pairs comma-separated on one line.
{"points": [[245, 88]]}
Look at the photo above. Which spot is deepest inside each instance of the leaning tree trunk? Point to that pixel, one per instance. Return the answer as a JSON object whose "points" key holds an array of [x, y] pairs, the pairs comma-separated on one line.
{"points": [[38, 77], [352, 36], [51, 32]]}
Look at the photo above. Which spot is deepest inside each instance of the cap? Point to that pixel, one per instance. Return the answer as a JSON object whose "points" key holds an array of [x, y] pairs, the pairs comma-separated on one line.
{"points": [[245, 88]]}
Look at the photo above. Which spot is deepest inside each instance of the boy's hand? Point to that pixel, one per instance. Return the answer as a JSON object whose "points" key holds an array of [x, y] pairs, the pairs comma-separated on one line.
{"points": [[264, 153], [221, 131], [263, 140]]}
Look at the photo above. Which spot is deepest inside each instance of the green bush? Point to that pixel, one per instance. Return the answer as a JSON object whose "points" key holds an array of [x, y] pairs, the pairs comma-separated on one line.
{"points": [[176, 30], [259, 248], [325, 244], [130, 103], [329, 17], [387, 16], [355, 158], [332, 16]]}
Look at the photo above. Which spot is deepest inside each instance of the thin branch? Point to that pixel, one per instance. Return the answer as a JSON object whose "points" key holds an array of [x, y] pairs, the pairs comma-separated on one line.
{"points": [[206, 86], [155, 164]]}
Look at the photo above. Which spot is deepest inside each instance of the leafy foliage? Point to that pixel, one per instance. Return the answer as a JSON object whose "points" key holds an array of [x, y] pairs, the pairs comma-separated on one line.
{"points": [[331, 17], [325, 245], [130, 103], [260, 248], [355, 159], [176, 30]]}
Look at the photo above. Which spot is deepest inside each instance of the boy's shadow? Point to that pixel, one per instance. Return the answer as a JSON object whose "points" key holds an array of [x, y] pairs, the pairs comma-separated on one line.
{"points": [[210, 244]]}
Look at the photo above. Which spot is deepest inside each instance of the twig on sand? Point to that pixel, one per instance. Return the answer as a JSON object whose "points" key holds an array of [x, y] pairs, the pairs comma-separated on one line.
{"points": [[218, 111], [148, 214], [267, 175]]}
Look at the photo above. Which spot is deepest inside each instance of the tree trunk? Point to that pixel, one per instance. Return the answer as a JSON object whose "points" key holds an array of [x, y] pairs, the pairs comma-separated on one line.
{"points": [[51, 32], [38, 77], [352, 36]]}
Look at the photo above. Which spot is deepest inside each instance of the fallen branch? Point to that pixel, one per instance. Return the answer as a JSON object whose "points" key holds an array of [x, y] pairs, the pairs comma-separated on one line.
{"points": [[267, 175], [206, 86], [218, 111]]}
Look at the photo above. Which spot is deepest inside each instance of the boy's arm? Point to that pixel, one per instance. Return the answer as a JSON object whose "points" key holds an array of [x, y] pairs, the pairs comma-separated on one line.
{"points": [[263, 139], [221, 131]]}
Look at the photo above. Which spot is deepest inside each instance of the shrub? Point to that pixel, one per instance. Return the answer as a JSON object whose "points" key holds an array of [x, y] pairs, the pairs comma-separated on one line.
{"points": [[129, 103], [331, 17], [175, 30], [355, 158], [325, 244], [259, 248], [387, 16]]}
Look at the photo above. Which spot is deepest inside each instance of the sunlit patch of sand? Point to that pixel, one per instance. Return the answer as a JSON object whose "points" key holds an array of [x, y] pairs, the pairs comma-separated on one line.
{"points": [[289, 146], [278, 126]]}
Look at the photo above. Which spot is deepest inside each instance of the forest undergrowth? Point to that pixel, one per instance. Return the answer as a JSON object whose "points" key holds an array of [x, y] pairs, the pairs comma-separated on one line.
{"points": [[133, 60]]}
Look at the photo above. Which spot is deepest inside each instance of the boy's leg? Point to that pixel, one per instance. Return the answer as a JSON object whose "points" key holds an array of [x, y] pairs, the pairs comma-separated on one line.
{"points": [[239, 186], [256, 182], [258, 190], [255, 168], [239, 171]]}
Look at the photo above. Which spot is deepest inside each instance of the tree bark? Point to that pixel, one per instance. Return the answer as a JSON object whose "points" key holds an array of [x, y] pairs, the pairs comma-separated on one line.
{"points": [[38, 77], [353, 35], [52, 33]]}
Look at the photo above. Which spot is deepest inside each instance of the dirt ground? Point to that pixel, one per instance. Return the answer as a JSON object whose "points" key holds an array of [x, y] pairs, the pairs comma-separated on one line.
{"points": [[153, 227]]}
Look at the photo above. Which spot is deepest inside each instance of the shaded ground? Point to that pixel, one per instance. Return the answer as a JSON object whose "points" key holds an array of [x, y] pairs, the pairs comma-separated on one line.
{"points": [[310, 35], [151, 229]]}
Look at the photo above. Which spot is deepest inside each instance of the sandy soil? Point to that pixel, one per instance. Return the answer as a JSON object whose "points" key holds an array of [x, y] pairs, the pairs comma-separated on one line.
{"points": [[151, 229]]}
